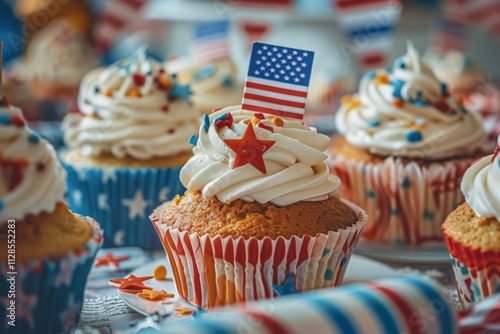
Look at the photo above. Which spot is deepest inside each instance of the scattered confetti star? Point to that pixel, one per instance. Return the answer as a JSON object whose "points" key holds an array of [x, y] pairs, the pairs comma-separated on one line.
{"points": [[108, 174], [287, 288], [102, 202], [249, 149], [130, 284], [136, 206], [154, 294], [182, 91], [110, 260], [184, 311]]}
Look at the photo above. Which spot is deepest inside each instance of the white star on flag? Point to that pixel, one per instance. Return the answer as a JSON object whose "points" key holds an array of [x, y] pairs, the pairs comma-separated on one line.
{"points": [[102, 201], [136, 206]]}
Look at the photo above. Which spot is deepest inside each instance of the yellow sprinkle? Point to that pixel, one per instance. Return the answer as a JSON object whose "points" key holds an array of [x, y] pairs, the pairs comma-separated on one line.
{"points": [[160, 272], [382, 79], [354, 103], [134, 93], [398, 102], [345, 99], [418, 127], [255, 120], [165, 82], [108, 93], [278, 122], [460, 100]]}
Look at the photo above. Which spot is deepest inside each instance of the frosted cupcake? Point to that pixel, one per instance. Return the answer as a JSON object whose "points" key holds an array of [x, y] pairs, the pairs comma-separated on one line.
{"points": [[260, 206], [486, 102], [127, 146], [214, 85], [49, 249], [404, 148], [472, 232], [456, 70]]}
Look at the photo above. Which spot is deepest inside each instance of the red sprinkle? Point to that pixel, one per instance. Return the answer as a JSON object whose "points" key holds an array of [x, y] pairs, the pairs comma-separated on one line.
{"points": [[17, 121], [226, 122], [40, 167], [259, 115], [165, 108], [215, 110], [171, 131], [139, 79], [443, 107], [265, 127]]}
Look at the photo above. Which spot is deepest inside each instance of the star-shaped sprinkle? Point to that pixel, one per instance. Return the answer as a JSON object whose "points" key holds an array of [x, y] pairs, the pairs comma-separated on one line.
{"points": [[110, 260], [181, 91], [152, 294], [249, 149], [184, 311], [287, 288], [130, 284]]}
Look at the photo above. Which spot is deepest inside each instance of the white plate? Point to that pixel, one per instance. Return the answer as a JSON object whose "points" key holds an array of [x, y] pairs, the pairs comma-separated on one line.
{"points": [[360, 269]]}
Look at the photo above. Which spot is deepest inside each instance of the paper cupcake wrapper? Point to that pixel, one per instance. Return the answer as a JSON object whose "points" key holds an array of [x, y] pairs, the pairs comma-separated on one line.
{"points": [[48, 292], [406, 204], [215, 271], [477, 272], [122, 199]]}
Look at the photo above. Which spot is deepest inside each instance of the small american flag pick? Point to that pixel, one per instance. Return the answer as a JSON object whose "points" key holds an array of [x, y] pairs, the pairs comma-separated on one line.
{"points": [[278, 80], [211, 42]]}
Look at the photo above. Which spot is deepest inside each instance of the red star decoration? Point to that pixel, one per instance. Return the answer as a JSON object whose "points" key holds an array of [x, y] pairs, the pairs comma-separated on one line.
{"points": [[111, 260], [249, 149], [130, 284]]}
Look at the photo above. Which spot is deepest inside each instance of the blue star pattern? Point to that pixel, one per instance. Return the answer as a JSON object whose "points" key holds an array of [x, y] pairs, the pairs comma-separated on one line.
{"points": [[181, 91], [122, 200], [287, 288]]}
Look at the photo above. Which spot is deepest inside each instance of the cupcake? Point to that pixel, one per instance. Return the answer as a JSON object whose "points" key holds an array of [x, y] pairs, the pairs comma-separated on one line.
{"points": [[486, 102], [472, 232], [56, 60], [214, 85], [260, 206], [456, 70], [46, 250], [404, 148], [126, 147]]}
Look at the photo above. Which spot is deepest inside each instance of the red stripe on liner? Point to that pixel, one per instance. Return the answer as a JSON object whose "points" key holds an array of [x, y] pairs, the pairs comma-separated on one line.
{"points": [[273, 100], [406, 309], [113, 20], [275, 89], [271, 324], [272, 111]]}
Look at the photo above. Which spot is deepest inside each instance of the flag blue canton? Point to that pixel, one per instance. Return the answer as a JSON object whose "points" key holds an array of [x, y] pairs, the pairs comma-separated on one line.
{"points": [[281, 64], [211, 30]]}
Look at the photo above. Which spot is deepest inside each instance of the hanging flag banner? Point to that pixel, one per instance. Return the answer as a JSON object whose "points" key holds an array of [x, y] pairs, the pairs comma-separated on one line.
{"points": [[278, 80]]}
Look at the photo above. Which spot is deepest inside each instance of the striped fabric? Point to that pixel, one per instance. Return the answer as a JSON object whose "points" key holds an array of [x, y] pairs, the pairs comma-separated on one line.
{"points": [[398, 305], [484, 13]]}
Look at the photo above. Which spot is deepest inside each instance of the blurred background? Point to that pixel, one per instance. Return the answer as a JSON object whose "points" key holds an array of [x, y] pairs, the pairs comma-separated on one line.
{"points": [[349, 37]]}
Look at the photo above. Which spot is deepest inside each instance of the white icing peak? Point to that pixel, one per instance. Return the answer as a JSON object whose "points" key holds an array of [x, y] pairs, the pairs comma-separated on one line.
{"points": [[481, 186], [131, 108], [31, 178], [295, 163], [448, 66], [405, 111]]}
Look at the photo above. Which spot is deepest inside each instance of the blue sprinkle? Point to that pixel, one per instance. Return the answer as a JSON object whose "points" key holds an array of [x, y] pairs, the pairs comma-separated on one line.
{"points": [[400, 63], [464, 111], [221, 118], [394, 211], [33, 138], [444, 89], [420, 121], [228, 82], [1, 205], [413, 136], [398, 85], [204, 72], [406, 183], [326, 251], [206, 122], [342, 263], [370, 75], [374, 123], [5, 120], [420, 103], [193, 140], [182, 91], [371, 193], [328, 274], [428, 215]]}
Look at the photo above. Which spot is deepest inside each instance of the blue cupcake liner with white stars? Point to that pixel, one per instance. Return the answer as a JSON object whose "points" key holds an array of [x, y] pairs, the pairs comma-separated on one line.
{"points": [[48, 292], [122, 199]]}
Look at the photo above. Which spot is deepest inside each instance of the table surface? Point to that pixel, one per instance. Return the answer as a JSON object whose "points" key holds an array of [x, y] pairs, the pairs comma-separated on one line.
{"points": [[104, 312]]}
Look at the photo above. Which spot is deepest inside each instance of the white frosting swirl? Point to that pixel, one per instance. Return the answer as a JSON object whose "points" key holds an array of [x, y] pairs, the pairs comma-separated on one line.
{"points": [[481, 186], [295, 164], [31, 178], [128, 111], [449, 66], [58, 55], [406, 112]]}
